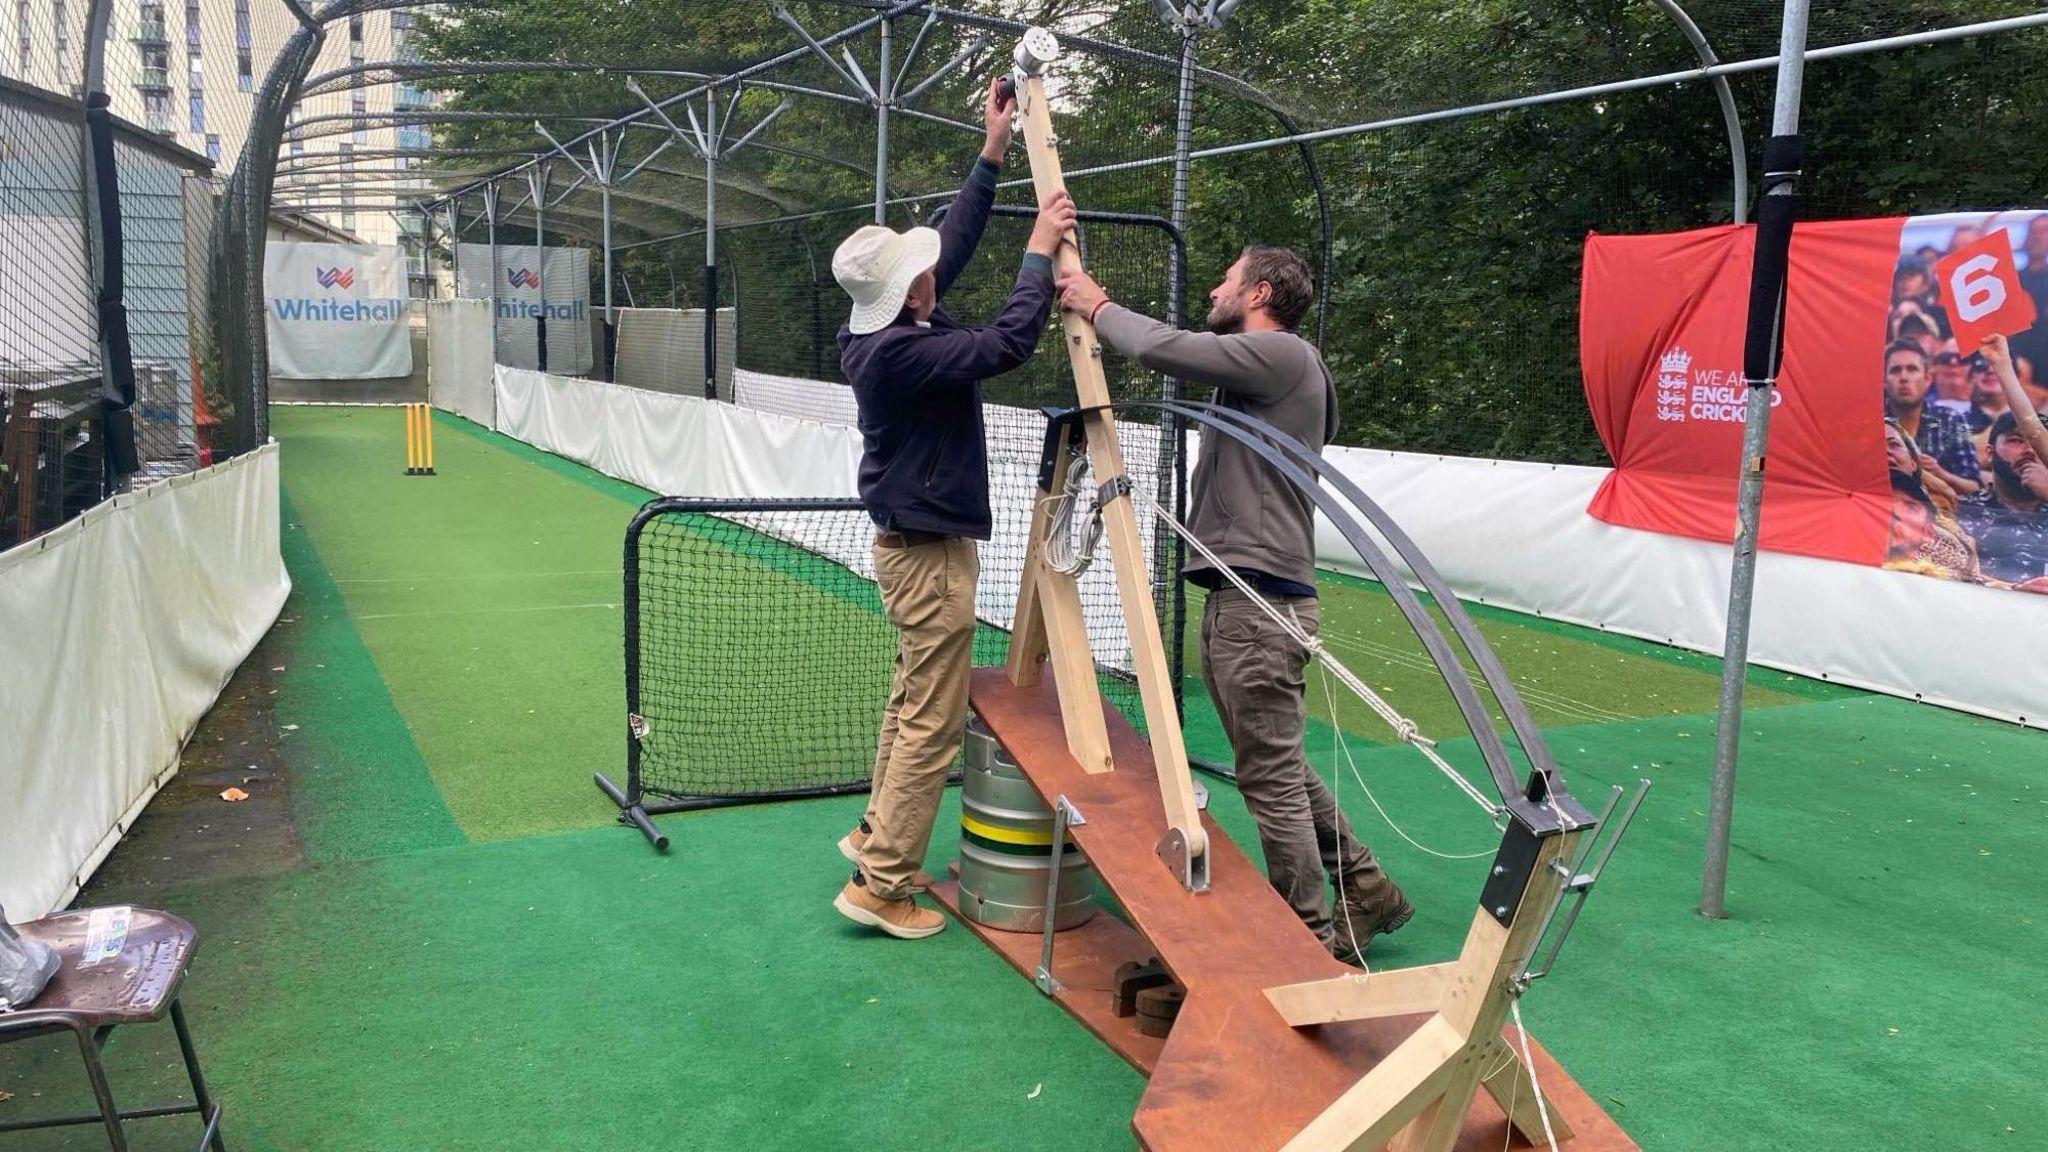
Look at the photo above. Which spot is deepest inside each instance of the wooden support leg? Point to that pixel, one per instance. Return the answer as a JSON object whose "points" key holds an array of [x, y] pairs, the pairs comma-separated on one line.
{"points": [[1049, 623], [1507, 1080], [1416, 1099], [1186, 839]]}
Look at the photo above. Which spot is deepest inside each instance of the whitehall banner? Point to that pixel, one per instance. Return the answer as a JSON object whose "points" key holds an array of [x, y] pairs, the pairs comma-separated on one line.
{"points": [[518, 280], [337, 311], [1897, 438]]}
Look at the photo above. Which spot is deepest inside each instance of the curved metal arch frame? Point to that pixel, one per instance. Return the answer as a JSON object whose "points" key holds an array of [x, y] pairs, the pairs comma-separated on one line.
{"points": [[1439, 589], [1542, 803]]}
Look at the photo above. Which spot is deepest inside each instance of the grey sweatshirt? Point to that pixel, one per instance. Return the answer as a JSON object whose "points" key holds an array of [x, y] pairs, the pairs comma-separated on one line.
{"points": [[1243, 510]]}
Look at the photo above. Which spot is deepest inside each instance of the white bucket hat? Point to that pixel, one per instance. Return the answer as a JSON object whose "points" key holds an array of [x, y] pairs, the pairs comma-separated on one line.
{"points": [[876, 266]]}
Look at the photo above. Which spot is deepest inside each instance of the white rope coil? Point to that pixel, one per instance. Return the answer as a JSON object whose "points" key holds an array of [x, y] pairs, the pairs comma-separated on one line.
{"points": [[1062, 554]]}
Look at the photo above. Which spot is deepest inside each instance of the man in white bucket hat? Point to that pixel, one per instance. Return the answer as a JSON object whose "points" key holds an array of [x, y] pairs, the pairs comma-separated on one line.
{"points": [[916, 376]]}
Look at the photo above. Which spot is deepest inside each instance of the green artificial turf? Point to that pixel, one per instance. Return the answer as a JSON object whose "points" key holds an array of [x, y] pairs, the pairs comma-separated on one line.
{"points": [[537, 988], [359, 786], [489, 597]]}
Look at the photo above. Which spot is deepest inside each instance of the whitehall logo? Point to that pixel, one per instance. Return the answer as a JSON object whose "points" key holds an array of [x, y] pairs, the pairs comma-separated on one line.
{"points": [[335, 277], [1704, 395], [522, 277]]}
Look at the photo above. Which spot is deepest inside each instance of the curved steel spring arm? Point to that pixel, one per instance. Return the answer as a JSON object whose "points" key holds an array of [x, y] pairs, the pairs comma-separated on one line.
{"points": [[1532, 801]]}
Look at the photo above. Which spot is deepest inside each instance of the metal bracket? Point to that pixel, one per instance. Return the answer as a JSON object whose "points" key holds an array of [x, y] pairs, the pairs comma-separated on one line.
{"points": [[1065, 816], [1576, 880], [1056, 419], [1191, 871], [1111, 489]]}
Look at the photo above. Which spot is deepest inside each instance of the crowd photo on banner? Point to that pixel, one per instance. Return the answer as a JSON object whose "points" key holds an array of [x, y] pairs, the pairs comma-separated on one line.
{"points": [[1967, 457]]}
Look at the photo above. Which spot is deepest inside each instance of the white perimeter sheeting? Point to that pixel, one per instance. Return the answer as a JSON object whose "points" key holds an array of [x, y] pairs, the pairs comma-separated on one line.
{"points": [[459, 367], [121, 627], [675, 445], [685, 446], [1507, 533], [1517, 535]]}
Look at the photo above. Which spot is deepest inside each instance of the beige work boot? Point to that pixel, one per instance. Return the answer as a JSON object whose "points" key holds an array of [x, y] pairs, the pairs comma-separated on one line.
{"points": [[902, 919], [851, 844]]}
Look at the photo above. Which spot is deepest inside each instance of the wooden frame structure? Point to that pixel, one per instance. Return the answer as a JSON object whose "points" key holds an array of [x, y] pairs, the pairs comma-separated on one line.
{"points": [[1278, 1046]]}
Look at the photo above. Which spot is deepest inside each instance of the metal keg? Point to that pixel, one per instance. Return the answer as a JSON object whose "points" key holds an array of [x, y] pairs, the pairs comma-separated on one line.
{"points": [[1006, 846]]}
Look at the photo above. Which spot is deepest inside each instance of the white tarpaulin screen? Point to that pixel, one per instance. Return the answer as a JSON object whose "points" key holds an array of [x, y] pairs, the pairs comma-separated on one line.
{"points": [[662, 350], [459, 359], [517, 281], [337, 311], [120, 629]]}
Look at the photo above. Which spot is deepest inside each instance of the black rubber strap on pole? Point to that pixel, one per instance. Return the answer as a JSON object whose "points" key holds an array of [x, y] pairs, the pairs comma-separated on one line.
{"points": [[711, 331], [1777, 206], [610, 350], [540, 333], [118, 362]]}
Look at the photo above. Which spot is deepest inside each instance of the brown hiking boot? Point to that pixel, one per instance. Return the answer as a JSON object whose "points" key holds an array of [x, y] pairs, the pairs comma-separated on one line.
{"points": [[1368, 904], [851, 844], [902, 919]]}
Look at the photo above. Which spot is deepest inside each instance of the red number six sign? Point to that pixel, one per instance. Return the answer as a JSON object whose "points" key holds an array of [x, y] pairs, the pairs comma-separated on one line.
{"points": [[1980, 285]]}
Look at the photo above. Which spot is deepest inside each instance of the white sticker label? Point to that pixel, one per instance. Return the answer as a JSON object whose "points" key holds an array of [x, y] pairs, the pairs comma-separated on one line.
{"points": [[106, 933]]}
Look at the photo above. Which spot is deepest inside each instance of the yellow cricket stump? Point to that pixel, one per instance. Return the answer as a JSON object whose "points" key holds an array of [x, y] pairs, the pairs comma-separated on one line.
{"points": [[419, 440]]}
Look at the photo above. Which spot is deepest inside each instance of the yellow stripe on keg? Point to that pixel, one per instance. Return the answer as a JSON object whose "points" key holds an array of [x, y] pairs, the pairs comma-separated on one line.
{"points": [[1005, 835]]}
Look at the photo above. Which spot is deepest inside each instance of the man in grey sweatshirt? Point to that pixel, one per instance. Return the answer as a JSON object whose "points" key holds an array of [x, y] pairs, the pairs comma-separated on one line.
{"points": [[1263, 528]]}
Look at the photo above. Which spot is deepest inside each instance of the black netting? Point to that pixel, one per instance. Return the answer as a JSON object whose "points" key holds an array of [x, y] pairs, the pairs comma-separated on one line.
{"points": [[758, 658]]}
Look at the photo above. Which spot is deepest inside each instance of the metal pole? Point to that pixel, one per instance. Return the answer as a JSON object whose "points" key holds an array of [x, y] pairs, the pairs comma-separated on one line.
{"points": [[882, 98], [537, 183], [491, 238], [1170, 552], [1762, 352], [711, 246], [604, 188], [426, 245]]}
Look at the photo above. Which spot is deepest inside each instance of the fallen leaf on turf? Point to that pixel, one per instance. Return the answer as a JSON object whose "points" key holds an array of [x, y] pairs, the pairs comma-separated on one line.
{"points": [[1035, 1090], [1891, 1031], [6, 1096], [234, 794]]}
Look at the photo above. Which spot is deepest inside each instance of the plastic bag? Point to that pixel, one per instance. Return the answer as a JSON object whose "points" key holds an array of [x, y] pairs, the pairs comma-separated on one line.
{"points": [[26, 966]]}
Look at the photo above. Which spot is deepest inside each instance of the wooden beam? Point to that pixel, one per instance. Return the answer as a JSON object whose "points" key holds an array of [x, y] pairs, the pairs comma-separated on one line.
{"points": [[1361, 996], [1507, 1080], [1119, 519], [1050, 622], [1477, 996], [1385, 1099]]}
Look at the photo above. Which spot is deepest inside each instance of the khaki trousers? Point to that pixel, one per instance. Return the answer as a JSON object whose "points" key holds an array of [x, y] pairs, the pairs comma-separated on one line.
{"points": [[928, 594], [1254, 673]]}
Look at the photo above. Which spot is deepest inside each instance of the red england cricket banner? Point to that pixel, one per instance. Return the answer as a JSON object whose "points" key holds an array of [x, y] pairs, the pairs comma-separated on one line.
{"points": [[1889, 443]]}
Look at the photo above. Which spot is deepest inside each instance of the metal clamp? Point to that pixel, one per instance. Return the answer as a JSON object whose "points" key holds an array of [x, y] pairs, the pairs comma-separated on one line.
{"points": [[1065, 815], [1191, 871], [1576, 880], [1112, 489]]}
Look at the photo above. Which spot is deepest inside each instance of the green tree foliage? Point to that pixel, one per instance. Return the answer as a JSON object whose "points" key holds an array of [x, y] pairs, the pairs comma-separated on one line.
{"points": [[1453, 299]]}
